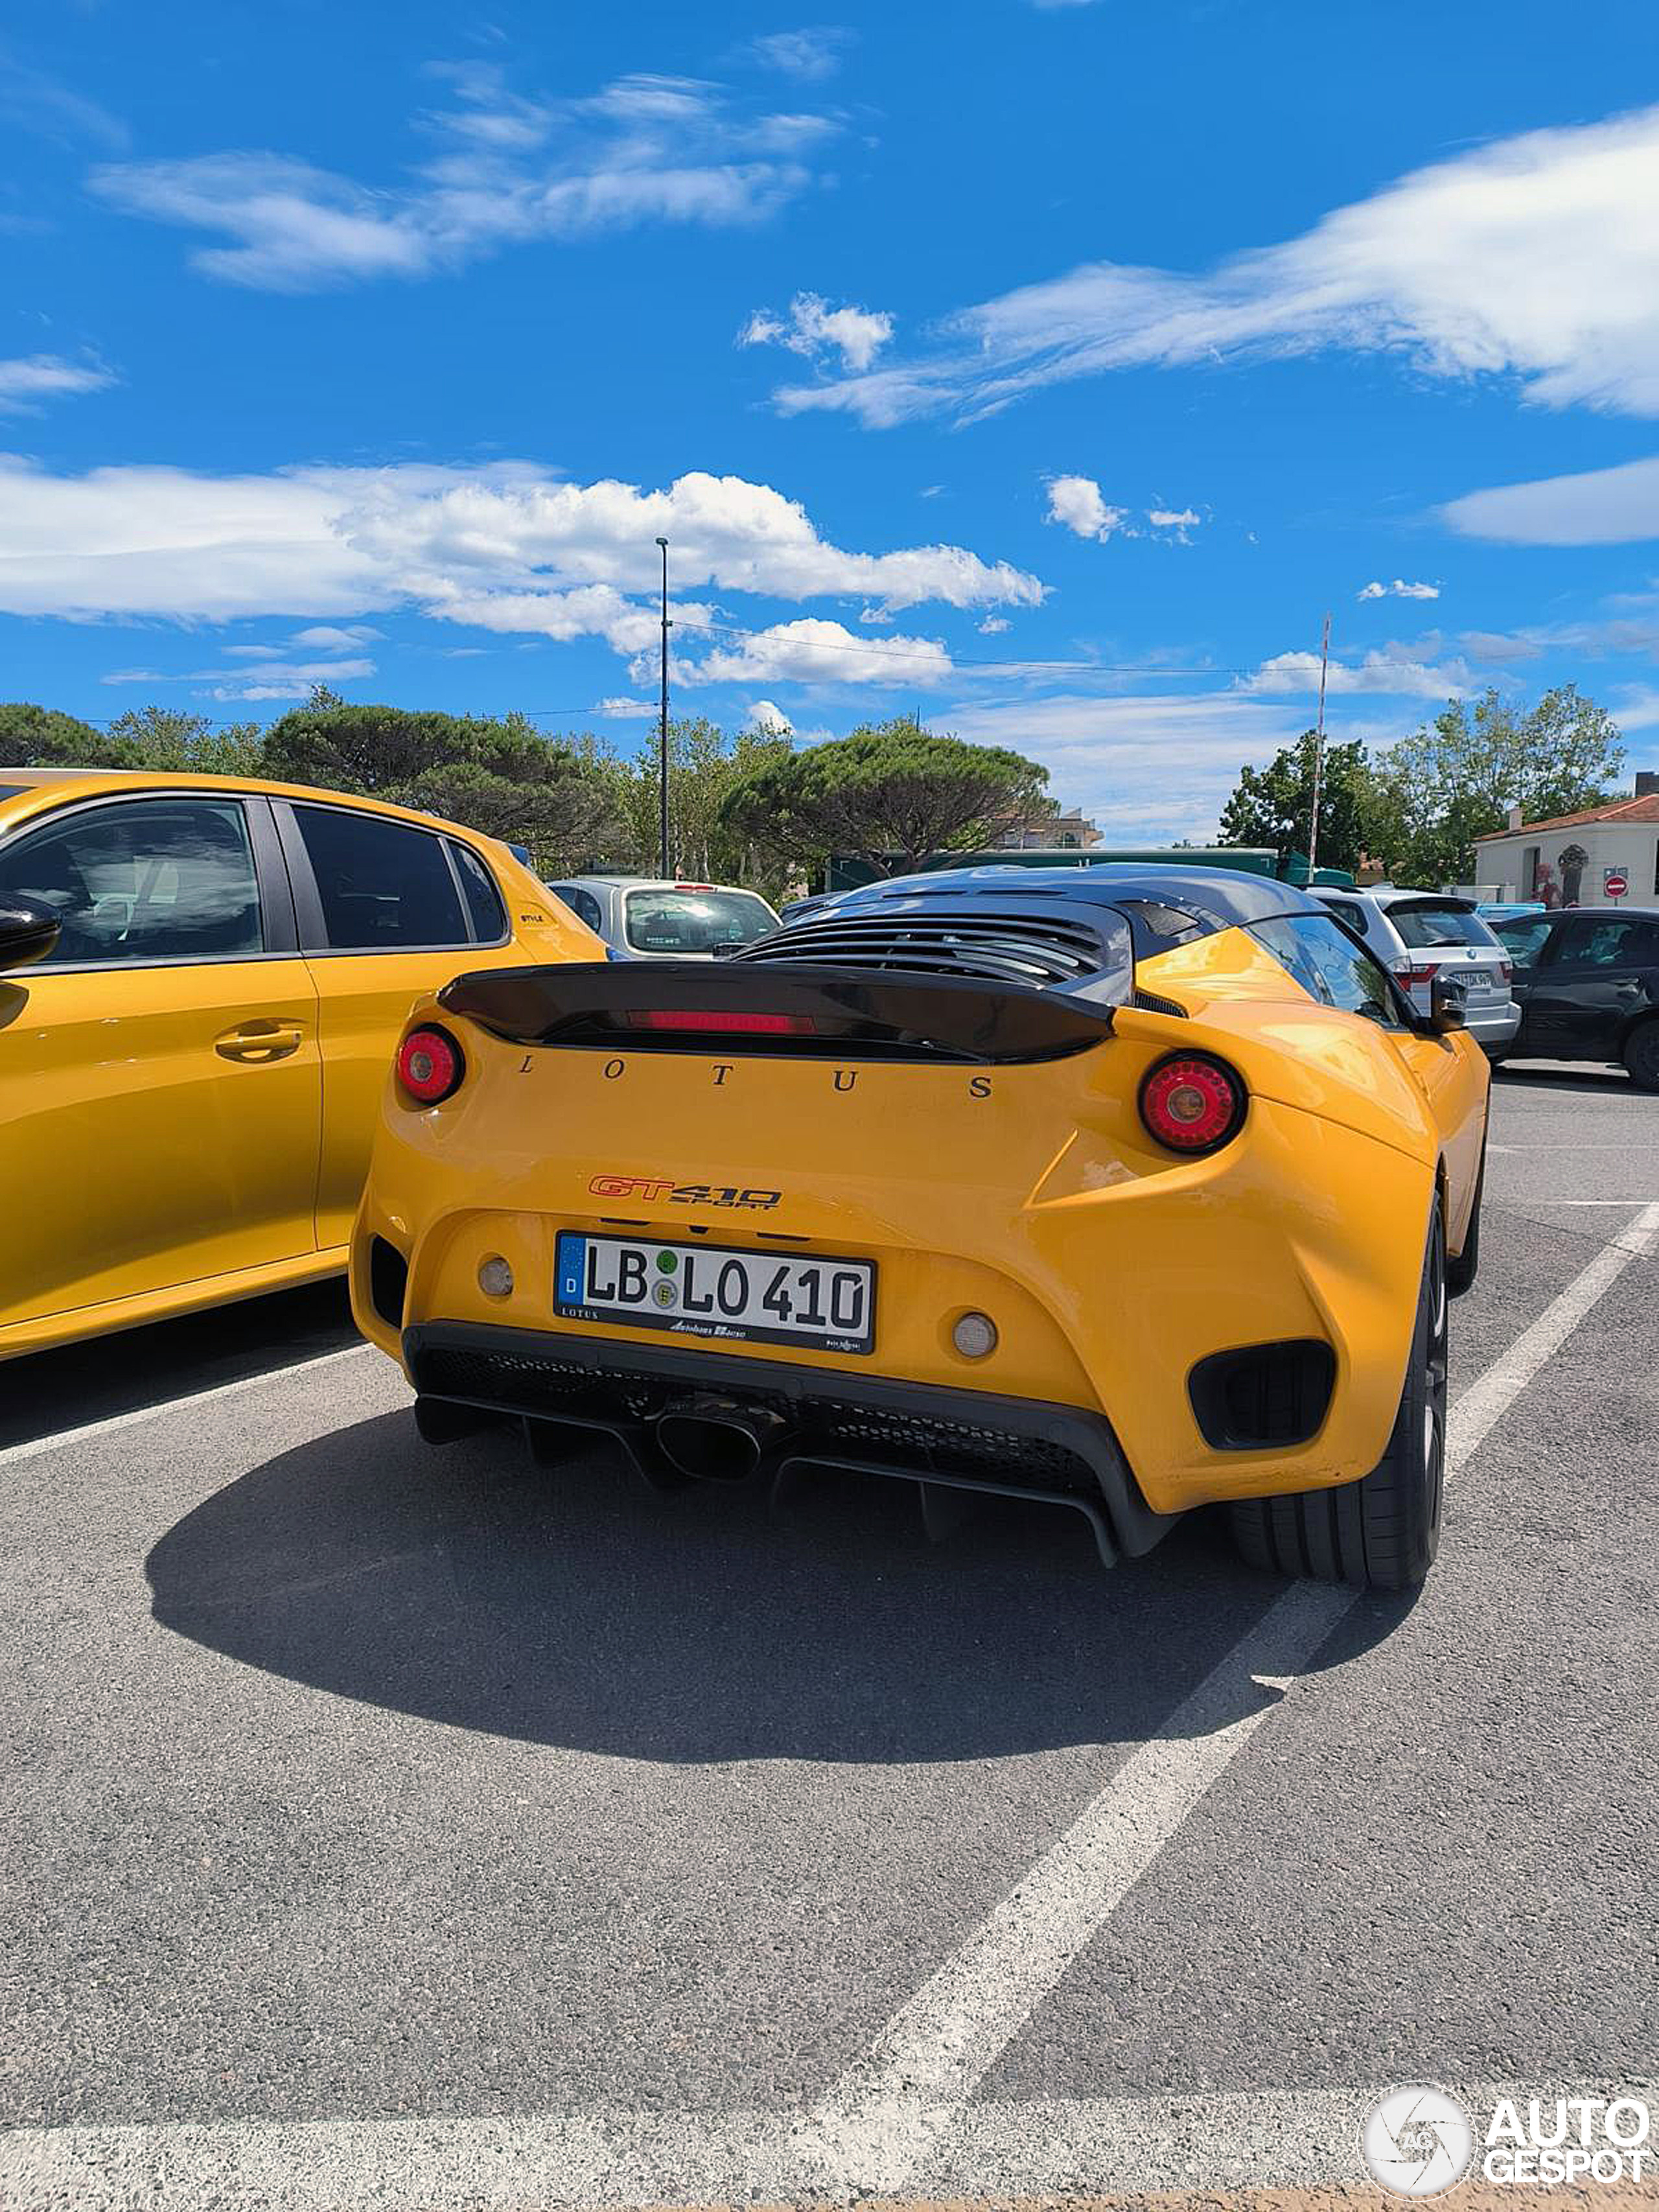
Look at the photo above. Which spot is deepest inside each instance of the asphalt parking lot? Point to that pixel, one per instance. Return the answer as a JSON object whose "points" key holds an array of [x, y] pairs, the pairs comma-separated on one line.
{"points": [[410, 1827]]}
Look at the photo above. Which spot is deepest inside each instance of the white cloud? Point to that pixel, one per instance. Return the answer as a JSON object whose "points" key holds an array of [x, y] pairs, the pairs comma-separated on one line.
{"points": [[1636, 707], [1077, 502], [1180, 522], [993, 625], [1536, 256], [811, 327], [1392, 671], [504, 548], [341, 639], [767, 714], [264, 678], [1398, 590], [624, 709], [29, 379], [35, 101], [1146, 767], [1602, 506], [505, 169], [809, 55], [813, 651]]}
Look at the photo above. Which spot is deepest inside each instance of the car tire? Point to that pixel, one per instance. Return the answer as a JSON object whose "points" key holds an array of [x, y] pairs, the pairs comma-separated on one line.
{"points": [[1462, 1270], [1641, 1055], [1382, 1532]]}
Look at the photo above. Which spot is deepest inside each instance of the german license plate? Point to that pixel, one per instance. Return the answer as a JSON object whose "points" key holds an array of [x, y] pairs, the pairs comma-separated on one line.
{"points": [[713, 1290]]}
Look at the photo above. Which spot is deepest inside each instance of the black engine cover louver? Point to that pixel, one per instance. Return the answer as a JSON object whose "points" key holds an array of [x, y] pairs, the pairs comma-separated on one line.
{"points": [[1038, 949]]}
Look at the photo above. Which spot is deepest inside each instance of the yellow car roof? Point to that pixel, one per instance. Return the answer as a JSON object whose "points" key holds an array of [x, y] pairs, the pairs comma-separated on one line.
{"points": [[25, 791]]}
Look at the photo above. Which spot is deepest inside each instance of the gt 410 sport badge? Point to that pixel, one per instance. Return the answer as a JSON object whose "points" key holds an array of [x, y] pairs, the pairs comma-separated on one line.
{"points": [[656, 1188]]}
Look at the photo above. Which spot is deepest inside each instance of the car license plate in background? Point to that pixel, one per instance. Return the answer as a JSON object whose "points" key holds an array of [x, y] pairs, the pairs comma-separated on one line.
{"points": [[701, 1290]]}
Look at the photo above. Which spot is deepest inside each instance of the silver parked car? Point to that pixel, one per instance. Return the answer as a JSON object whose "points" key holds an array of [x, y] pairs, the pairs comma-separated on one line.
{"points": [[1422, 934], [644, 918]]}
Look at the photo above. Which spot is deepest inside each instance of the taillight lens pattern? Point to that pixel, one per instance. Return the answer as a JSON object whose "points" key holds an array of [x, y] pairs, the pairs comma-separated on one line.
{"points": [[1192, 1104], [429, 1065]]}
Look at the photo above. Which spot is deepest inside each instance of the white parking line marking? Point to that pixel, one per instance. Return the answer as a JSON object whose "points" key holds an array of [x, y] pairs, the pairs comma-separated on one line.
{"points": [[884, 2114], [892, 2117], [1487, 1399], [1282, 2138], [10, 1454], [881, 2118]]}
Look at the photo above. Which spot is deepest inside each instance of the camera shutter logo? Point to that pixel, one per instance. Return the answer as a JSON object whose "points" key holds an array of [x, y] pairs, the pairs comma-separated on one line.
{"points": [[1418, 2141]]}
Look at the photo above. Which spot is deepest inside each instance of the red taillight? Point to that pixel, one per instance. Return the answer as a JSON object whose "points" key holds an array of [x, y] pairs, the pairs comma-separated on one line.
{"points": [[1192, 1104], [1413, 979], [1506, 969], [733, 1024], [429, 1065]]}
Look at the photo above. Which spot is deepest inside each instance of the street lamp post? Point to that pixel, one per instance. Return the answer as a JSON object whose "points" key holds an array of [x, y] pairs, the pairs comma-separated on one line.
{"points": [[662, 727]]}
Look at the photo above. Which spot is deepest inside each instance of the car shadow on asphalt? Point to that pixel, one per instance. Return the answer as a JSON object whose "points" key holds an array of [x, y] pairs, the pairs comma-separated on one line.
{"points": [[1591, 1076], [101, 1377], [571, 1607]]}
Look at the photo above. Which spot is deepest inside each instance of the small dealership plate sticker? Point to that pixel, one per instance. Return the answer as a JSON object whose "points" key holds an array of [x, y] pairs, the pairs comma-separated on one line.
{"points": [[716, 1291]]}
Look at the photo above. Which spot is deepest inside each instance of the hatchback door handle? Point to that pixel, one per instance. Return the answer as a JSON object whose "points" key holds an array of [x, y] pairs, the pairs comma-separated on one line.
{"points": [[257, 1042]]}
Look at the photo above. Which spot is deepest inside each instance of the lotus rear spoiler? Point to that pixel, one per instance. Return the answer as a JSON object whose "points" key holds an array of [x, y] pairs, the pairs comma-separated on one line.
{"points": [[782, 1010]]}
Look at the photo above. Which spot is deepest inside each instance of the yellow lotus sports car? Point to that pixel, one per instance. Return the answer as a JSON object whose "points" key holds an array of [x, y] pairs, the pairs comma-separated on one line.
{"points": [[1128, 1188]]}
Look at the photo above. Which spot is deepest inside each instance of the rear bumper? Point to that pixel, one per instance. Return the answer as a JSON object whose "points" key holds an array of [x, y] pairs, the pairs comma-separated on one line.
{"points": [[957, 1439], [1496, 1028]]}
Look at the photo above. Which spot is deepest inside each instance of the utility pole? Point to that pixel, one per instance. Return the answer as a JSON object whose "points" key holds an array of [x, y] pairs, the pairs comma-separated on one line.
{"points": [[1319, 748], [662, 730]]}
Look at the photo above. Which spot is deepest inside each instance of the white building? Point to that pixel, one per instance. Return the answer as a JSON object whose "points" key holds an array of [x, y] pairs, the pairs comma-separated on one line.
{"points": [[1569, 861]]}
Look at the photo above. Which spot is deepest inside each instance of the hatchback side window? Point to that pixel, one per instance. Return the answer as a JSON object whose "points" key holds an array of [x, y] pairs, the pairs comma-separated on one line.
{"points": [[1616, 942], [483, 901], [583, 905], [384, 887], [144, 880], [1332, 969], [1523, 941]]}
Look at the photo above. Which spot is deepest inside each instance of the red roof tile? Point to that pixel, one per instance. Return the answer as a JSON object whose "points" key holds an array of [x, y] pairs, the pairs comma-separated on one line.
{"points": [[1645, 809]]}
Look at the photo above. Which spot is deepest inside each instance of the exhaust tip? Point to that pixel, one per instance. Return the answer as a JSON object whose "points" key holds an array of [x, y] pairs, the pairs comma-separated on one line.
{"points": [[716, 1439]]}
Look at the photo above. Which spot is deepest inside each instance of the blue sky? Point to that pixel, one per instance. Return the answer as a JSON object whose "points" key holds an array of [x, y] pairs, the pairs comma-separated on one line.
{"points": [[1047, 368]]}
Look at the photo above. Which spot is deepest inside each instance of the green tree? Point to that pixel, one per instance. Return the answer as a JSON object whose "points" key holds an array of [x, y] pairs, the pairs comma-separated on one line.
{"points": [[167, 737], [705, 763], [891, 792], [1455, 778], [499, 775], [41, 736], [161, 737], [1273, 805]]}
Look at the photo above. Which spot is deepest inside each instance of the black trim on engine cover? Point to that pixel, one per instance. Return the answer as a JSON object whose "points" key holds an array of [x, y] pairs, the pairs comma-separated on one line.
{"points": [[957, 1439]]}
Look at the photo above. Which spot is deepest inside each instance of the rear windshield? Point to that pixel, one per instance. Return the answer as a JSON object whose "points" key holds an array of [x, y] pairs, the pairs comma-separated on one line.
{"points": [[696, 922], [1441, 923]]}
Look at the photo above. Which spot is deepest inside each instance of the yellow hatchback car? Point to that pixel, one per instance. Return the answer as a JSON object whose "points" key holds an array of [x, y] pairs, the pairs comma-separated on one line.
{"points": [[203, 982], [1130, 1189]]}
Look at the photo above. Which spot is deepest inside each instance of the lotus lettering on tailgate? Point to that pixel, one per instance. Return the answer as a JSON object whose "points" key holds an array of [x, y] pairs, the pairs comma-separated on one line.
{"points": [[654, 1188]]}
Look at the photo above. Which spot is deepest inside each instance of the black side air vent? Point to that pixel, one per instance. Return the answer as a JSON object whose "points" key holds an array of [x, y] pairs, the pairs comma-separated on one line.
{"points": [[388, 1281], [1263, 1395]]}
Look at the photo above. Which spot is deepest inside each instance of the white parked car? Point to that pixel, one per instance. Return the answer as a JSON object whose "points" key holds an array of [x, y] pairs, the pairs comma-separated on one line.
{"points": [[646, 918], [1421, 934]]}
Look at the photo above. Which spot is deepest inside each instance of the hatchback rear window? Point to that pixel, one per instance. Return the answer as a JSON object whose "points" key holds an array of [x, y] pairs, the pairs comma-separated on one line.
{"points": [[1432, 923], [696, 922]]}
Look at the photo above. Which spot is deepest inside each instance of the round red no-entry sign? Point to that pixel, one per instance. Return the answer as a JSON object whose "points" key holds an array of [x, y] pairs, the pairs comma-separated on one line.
{"points": [[1615, 883]]}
